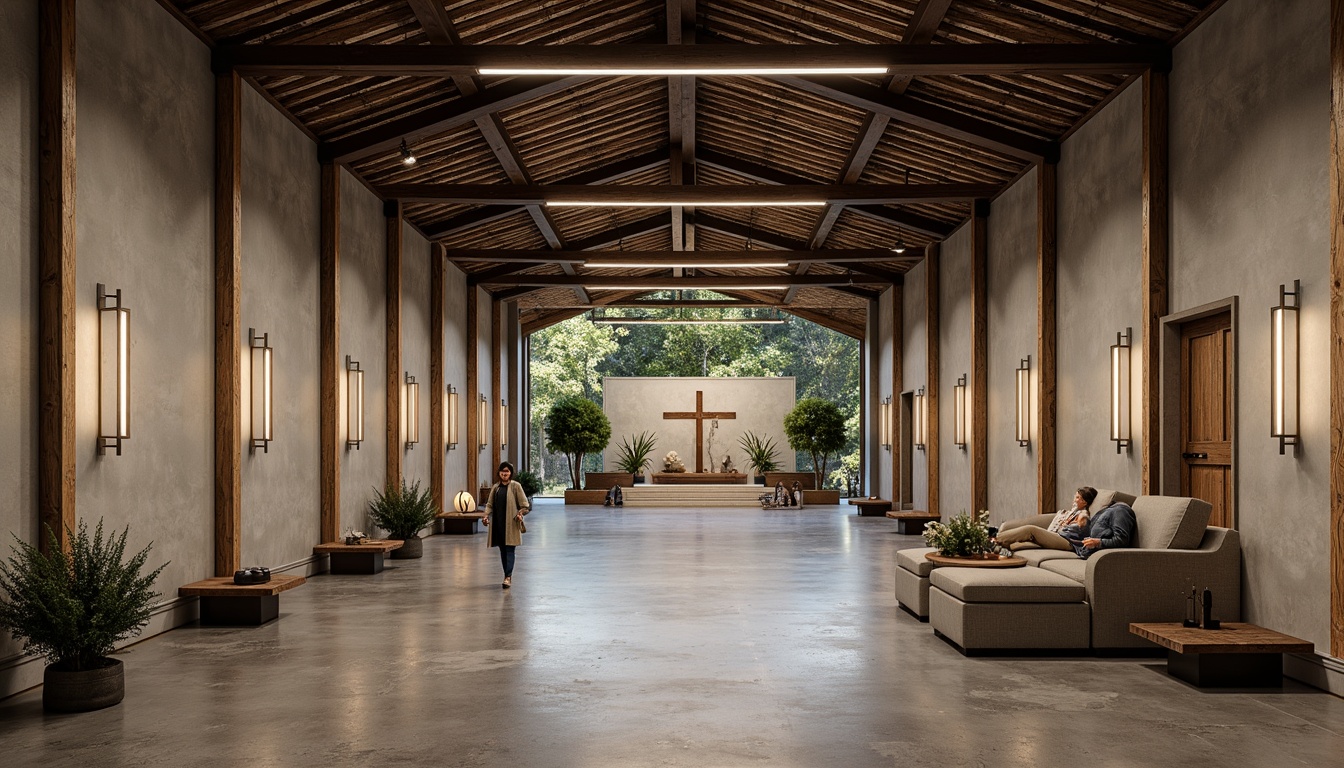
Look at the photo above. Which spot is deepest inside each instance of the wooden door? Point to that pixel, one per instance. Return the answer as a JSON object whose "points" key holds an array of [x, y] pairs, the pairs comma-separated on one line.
{"points": [[1207, 414]]}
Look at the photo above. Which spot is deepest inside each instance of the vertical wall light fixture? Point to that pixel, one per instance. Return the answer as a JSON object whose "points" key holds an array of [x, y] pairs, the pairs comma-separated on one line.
{"points": [[884, 428], [354, 403], [1024, 402], [1283, 376], [503, 423], [921, 419], [263, 423], [959, 413], [482, 408], [451, 416], [114, 371], [1120, 389], [411, 410]]}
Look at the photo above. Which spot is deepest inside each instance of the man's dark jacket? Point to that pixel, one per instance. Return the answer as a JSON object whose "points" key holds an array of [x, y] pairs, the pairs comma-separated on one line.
{"points": [[1114, 525]]}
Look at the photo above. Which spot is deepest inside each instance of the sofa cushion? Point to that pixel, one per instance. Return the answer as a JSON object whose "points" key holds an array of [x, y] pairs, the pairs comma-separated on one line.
{"points": [[1170, 522], [1071, 566], [1006, 585], [1106, 498], [1040, 555], [913, 560]]}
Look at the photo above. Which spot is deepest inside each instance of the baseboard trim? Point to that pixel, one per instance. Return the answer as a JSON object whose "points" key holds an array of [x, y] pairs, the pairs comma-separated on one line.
{"points": [[1316, 670]]}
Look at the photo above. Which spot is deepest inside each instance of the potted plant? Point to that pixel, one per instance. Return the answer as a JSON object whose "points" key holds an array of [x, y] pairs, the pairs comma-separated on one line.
{"points": [[818, 427], [530, 482], [761, 454], [74, 608], [635, 454], [962, 536], [402, 512], [576, 426]]}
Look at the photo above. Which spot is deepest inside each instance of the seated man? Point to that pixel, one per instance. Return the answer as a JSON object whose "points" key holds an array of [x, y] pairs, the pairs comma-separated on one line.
{"points": [[1068, 527], [1112, 528]]}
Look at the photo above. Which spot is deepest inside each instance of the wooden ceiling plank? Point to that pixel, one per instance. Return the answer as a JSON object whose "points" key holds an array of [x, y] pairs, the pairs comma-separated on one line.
{"points": [[664, 194]]}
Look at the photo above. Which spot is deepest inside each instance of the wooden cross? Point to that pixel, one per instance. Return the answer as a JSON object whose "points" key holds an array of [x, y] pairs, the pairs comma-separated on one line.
{"points": [[699, 415]]}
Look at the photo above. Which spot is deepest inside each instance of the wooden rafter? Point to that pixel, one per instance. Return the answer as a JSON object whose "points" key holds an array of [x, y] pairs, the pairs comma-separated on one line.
{"points": [[664, 194], [752, 283], [529, 258]]}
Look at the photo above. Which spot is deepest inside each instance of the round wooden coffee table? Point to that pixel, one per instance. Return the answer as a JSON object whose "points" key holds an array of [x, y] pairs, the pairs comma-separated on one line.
{"points": [[976, 562]]}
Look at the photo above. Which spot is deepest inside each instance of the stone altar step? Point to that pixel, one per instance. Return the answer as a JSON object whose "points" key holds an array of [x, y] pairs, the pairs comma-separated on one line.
{"points": [[693, 495]]}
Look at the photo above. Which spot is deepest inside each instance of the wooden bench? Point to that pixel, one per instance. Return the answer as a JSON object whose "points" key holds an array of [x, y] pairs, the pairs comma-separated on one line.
{"points": [[460, 523], [912, 521], [225, 604], [363, 558], [872, 507], [1237, 655]]}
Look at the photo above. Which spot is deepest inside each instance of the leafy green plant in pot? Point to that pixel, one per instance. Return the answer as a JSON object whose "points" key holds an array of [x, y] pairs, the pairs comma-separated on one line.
{"points": [[74, 608], [530, 482], [962, 536], [403, 512], [576, 426], [761, 454], [818, 427], [635, 454]]}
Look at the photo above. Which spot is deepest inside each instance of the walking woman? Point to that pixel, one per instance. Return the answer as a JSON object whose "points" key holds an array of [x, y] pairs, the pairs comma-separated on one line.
{"points": [[505, 506]]}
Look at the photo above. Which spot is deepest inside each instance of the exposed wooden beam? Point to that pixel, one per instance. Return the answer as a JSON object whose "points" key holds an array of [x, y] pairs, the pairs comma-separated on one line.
{"points": [[913, 222], [434, 20], [444, 61], [329, 333], [664, 194], [681, 122], [228, 254], [764, 237], [392, 425], [826, 321], [602, 259], [634, 283], [437, 438], [653, 223], [924, 23], [1047, 321], [502, 270], [1156, 256], [933, 359], [1337, 328]]}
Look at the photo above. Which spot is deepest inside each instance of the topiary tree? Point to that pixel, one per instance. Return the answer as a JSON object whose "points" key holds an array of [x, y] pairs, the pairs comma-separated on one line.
{"points": [[576, 426], [817, 427]]}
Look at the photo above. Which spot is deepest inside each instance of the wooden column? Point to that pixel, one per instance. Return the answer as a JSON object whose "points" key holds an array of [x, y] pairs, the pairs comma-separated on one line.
{"points": [[437, 388], [1156, 250], [1047, 315], [932, 265], [492, 408], [979, 384], [330, 364], [1337, 329], [897, 375], [392, 210], [473, 449], [228, 337], [56, 273]]}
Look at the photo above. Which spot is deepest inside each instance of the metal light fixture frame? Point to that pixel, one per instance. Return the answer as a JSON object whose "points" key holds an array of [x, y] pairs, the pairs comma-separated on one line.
{"points": [[921, 420], [114, 371], [411, 411], [959, 413], [1023, 392], [263, 377], [1121, 394], [482, 410], [503, 423], [884, 428], [1284, 374], [354, 403], [450, 415]]}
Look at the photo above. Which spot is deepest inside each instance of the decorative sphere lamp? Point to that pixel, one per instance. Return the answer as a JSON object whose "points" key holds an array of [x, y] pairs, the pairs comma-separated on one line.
{"points": [[463, 502]]}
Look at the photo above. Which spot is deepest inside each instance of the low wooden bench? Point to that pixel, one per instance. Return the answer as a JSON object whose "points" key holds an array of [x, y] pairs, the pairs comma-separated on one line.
{"points": [[225, 604], [912, 521], [872, 507], [363, 558], [1237, 655], [460, 523]]}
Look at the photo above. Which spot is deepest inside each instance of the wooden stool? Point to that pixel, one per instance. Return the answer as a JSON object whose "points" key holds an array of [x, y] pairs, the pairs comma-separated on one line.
{"points": [[226, 604], [912, 521], [363, 558], [458, 524], [872, 507]]}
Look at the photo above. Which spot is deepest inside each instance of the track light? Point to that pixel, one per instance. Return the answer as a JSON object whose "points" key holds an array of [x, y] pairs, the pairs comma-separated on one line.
{"points": [[407, 156]]}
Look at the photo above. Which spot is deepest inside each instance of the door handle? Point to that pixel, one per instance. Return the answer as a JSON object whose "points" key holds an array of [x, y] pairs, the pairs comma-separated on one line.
{"points": [[1194, 455]]}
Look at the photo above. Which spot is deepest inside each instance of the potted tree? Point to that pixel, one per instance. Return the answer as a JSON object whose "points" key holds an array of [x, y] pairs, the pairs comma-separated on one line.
{"points": [[817, 427], [74, 608], [576, 426], [530, 482], [402, 512], [761, 454], [635, 454]]}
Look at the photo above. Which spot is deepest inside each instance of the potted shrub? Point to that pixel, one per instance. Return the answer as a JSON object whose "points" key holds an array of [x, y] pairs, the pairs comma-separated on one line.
{"points": [[761, 454], [530, 482], [402, 512], [962, 536], [74, 608], [576, 426], [817, 427], [635, 454]]}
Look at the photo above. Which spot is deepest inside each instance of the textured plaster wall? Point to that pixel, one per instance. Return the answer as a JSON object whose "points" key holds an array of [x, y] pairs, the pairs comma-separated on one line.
{"points": [[954, 296], [1250, 90], [144, 224], [455, 373], [281, 206], [1012, 337], [1100, 292], [415, 346], [363, 325], [485, 473], [882, 361], [636, 404], [915, 367]]}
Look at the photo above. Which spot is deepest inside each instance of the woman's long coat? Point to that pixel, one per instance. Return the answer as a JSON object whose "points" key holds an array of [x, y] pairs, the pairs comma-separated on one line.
{"points": [[513, 527]]}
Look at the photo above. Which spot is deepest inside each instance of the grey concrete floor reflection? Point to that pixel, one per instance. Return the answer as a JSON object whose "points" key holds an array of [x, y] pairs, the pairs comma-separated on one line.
{"points": [[650, 637]]}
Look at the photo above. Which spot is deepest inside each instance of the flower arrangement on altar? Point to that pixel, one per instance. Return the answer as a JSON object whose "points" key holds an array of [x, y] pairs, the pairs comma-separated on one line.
{"points": [[672, 463]]}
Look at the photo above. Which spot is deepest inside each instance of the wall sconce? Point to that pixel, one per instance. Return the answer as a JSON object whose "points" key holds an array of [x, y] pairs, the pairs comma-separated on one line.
{"points": [[262, 422], [411, 410], [114, 371], [451, 416], [354, 403], [921, 419], [1283, 356], [464, 502], [481, 435], [1024, 402], [503, 423], [959, 414], [884, 428], [1120, 386]]}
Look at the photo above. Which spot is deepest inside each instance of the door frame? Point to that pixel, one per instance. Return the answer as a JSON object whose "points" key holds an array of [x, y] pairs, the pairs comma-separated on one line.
{"points": [[1169, 477]]}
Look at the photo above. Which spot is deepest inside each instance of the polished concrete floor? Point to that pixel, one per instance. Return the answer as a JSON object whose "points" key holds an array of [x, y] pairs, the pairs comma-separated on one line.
{"points": [[651, 637]]}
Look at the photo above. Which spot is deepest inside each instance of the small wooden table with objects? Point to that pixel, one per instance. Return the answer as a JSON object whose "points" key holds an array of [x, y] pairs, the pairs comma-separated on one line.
{"points": [[365, 557], [912, 521], [460, 523], [225, 604], [987, 561], [1235, 655], [871, 507]]}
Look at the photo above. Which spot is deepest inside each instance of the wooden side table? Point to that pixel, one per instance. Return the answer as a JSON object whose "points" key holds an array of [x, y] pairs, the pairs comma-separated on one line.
{"points": [[224, 603], [976, 562], [872, 507], [364, 558], [1237, 655], [912, 521], [460, 523]]}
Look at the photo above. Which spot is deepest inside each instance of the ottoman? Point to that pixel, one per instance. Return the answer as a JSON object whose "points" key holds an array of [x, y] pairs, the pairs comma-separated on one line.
{"points": [[981, 609], [912, 581]]}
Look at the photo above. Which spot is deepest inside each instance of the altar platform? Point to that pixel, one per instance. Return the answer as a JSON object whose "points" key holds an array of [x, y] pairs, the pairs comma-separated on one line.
{"points": [[694, 495], [699, 478]]}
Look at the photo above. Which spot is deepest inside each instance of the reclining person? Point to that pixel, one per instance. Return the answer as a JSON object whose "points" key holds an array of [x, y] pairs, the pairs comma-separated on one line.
{"points": [[1112, 528], [1068, 527]]}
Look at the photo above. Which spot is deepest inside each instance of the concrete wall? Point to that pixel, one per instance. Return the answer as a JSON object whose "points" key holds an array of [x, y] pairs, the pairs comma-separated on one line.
{"points": [[485, 471], [1251, 210], [915, 367], [954, 331], [415, 347], [882, 361], [455, 374]]}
